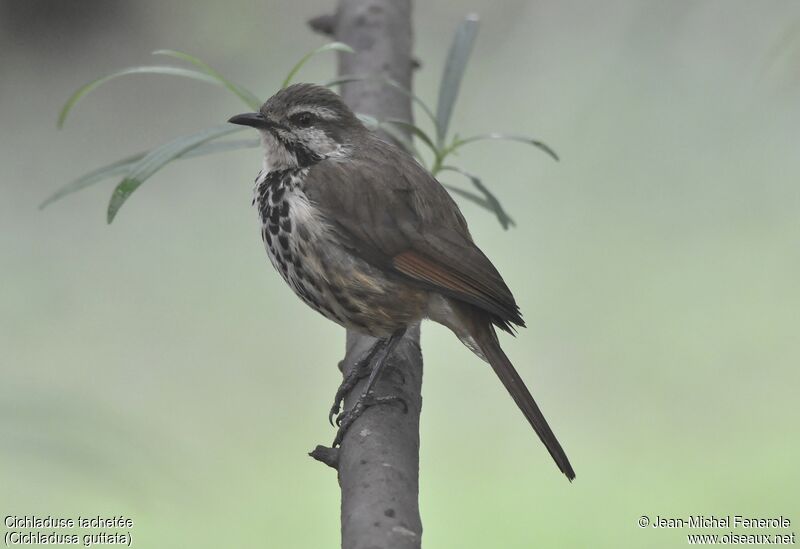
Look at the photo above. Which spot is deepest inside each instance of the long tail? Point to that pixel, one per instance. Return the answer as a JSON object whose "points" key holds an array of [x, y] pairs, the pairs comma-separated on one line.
{"points": [[487, 340]]}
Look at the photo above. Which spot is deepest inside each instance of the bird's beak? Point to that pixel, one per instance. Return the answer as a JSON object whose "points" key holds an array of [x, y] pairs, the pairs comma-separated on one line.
{"points": [[252, 119]]}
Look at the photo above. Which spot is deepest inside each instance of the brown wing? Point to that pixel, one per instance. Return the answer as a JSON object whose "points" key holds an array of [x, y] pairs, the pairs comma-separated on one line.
{"points": [[389, 211]]}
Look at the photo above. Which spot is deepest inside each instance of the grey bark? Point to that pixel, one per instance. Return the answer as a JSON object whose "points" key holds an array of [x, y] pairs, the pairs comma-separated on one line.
{"points": [[378, 461]]}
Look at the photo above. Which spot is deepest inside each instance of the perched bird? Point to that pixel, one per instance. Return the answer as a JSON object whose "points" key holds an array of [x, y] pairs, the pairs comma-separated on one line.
{"points": [[366, 236]]}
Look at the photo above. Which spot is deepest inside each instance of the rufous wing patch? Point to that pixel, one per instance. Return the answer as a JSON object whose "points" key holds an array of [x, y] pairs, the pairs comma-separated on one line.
{"points": [[417, 266]]}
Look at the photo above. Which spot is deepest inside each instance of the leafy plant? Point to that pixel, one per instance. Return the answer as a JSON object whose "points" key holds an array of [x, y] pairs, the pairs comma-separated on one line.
{"points": [[136, 169], [440, 147]]}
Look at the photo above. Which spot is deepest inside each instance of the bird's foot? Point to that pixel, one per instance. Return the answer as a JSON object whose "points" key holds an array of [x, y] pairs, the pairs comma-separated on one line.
{"points": [[346, 419], [361, 369]]}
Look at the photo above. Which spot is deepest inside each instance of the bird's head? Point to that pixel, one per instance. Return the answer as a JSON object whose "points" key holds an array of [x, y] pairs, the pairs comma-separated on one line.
{"points": [[302, 125]]}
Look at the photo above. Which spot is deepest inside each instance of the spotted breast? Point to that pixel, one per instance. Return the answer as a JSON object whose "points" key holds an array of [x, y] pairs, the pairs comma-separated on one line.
{"points": [[288, 227], [305, 251]]}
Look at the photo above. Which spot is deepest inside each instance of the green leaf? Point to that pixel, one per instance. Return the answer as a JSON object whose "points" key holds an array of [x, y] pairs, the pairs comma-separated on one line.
{"points": [[157, 159], [332, 46], [489, 200], [175, 71], [472, 197], [95, 176], [416, 131], [345, 80], [405, 141], [507, 137], [222, 146], [242, 93], [414, 97], [124, 165], [454, 67]]}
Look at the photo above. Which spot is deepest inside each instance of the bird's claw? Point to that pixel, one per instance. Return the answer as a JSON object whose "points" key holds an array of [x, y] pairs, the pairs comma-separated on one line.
{"points": [[345, 419], [334, 411], [359, 371], [347, 385]]}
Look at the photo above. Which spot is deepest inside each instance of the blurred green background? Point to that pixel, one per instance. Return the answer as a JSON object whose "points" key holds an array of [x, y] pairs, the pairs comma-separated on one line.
{"points": [[159, 368]]}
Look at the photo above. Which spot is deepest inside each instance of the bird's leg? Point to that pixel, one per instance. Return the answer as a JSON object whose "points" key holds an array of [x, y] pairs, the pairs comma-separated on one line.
{"points": [[360, 370], [366, 399]]}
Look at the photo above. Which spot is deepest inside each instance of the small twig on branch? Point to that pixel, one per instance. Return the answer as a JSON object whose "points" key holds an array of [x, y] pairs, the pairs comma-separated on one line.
{"points": [[323, 24], [328, 456], [326, 26]]}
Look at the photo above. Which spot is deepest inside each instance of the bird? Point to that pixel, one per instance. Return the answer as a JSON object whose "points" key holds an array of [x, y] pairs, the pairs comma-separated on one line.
{"points": [[366, 236]]}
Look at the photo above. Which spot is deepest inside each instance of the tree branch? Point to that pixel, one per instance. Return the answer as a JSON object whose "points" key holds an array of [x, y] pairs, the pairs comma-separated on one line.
{"points": [[378, 461]]}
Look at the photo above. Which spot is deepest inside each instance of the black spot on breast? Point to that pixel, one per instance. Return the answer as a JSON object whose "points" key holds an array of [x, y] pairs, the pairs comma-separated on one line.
{"points": [[277, 194], [284, 240], [286, 225], [267, 237], [273, 228], [284, 209], [274, 215]]}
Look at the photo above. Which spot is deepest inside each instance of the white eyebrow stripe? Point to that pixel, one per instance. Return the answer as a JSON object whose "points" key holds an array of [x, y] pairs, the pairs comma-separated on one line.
{"points": [[321, 112]]}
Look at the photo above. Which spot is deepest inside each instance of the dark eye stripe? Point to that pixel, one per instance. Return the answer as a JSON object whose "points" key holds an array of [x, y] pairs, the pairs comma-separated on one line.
{"points": [[303, 118]]}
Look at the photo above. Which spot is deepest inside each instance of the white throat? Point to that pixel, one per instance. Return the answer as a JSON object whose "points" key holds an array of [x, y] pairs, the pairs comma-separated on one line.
{"points": [[276, 157]]}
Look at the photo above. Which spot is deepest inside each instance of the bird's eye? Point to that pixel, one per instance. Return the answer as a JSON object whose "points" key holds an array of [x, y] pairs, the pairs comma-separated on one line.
{"points": [[303, 119]]}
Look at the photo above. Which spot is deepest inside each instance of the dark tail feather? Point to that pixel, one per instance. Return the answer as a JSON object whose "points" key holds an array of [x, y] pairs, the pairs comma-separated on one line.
{"points": [[519, 392]]}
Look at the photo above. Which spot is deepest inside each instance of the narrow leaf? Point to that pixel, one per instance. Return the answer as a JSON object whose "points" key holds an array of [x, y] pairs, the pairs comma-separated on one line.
{"points": [[472, 197], [508, 137], [124, 165], [454, 67], [332, 46], [405, 141], [338, 81], [489, 202], [243, 93], [222, 146], [416, 131], [95, 176], [414, 97], [175, 71], [157, 159]]}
